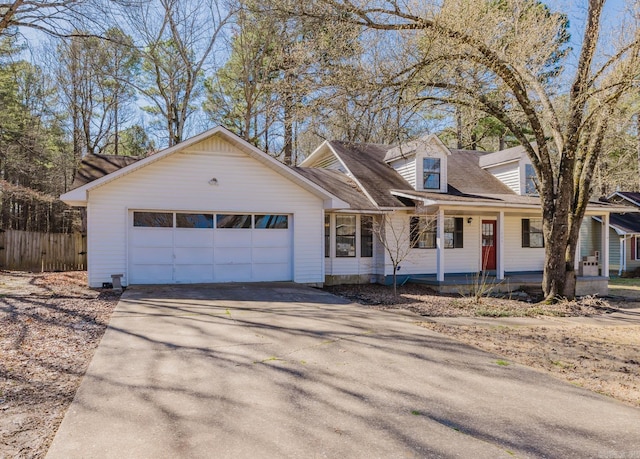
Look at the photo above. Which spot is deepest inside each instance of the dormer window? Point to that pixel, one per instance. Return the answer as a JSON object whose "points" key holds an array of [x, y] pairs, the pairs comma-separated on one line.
{"points": [[530, 180], [431, 173]]}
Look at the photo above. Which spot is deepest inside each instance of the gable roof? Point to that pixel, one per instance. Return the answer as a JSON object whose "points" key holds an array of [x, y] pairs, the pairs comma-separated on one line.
{"points": [[413, 147], [365, 161], [503, 156], [628, 223], [338, 184], [465, 177], [631, 197], [78, 196], [95, 166]]}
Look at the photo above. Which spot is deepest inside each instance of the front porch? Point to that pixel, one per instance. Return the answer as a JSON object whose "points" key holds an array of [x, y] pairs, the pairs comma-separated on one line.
{"points": [[530, 282]]}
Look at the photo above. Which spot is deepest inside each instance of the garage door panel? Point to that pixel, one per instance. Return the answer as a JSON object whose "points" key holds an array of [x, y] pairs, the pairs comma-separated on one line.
{"points": [[233, 272], [271, 238], [152, 274], [271, 255], [152, 255], [206, 254], [152, 237], [224, 255], [233, 238], [193, 255], [194, 273], [194, 238], [265, 272]]}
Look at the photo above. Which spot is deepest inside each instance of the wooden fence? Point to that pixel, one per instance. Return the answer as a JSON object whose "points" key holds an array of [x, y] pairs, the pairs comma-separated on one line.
{"points": [[30, 251]]}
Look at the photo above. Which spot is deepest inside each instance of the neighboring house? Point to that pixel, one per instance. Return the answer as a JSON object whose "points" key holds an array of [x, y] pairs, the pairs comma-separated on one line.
{"points": [[624, 233], [216, 209]]}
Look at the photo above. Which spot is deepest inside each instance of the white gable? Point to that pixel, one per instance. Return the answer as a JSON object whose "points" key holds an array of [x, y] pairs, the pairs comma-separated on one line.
{"points": [[409, 160]]}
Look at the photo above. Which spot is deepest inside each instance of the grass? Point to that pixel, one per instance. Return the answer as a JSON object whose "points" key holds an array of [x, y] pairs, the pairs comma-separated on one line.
{"points": [[624, 282], [502, 363]]}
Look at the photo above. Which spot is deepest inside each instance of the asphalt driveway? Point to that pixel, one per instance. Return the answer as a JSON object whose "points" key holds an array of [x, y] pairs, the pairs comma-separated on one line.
{"points": [[279, 370]]}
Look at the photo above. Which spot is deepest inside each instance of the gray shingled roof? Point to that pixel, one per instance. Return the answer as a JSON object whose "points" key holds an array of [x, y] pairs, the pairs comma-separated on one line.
{"points": [[366, 163], [405, 150], [94, 167], [338, 184], [631, 197], [626, 223], [502, 156], [465, 177]]}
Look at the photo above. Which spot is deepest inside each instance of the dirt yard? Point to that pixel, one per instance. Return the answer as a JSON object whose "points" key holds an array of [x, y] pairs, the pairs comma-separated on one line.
{"points": [[50, 325], [593, 343]]}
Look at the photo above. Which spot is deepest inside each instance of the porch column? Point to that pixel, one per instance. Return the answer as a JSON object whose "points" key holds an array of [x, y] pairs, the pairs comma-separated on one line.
{"points": [[500, 260], [623, 256], [576, 261], [440, 246], [604, 250]]}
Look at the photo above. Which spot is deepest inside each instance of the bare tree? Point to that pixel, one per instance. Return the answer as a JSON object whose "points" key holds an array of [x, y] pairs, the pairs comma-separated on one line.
{"points": [[463, 50], [177, 39], [399, 236]]}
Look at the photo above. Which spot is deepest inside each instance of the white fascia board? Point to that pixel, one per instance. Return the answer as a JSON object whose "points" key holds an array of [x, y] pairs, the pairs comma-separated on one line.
{"points": [[79, 195], [432, 202], [619, 231], [312, 157], [503, 163], [439, 142], [617, 193], [75, 198]]}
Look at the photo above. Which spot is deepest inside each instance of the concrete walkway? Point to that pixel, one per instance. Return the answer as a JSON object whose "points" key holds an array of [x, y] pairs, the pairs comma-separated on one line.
{"points": [[281, 370]]}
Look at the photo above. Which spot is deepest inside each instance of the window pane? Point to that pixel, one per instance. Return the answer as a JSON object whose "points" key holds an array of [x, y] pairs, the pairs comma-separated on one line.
{"points": [[366, 236], [423, 233], [194, 220], [536, 240], [431, 173], [327, 235], [233, 221], [530, 179], [345, 235], [153, 219], [272, 221]]}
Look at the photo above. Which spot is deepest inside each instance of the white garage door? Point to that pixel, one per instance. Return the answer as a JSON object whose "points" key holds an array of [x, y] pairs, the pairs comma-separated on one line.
{"points": [[179, 247]]}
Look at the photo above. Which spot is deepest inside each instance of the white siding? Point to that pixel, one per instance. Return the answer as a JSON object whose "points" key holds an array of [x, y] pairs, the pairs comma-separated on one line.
{"points": [[407, 169], [516, 257], [423, 261], [329, 161], [347, 266], [180, 182], [509, 174]]}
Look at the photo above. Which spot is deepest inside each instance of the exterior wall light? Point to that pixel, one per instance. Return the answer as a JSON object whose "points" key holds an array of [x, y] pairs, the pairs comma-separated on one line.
{"points": [[469, 220]]}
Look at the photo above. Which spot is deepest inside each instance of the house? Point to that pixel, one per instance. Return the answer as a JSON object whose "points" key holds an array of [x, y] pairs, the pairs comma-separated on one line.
{"points": [[216, 209], [624, 233]]}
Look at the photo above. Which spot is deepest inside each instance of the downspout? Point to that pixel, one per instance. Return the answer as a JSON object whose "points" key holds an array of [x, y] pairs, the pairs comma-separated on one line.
{"points": [[623, 256]]}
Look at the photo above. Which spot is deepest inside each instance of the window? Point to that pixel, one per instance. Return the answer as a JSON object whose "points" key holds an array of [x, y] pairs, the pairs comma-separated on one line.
{"points": [[431, 173], [233, 221], [327, 235], [532, 232], [194, 220], [453, 233], [272, 222], [153, 219], [366, 236], [345, 235], [423, 233], [530, 180]]}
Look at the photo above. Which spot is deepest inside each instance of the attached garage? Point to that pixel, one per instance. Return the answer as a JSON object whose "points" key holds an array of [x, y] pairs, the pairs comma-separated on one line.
{"points": [[200, 247], [210, 209]]}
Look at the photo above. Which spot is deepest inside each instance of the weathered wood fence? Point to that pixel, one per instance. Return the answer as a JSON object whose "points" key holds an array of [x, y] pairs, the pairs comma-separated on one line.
{"points": [[29, 251]]}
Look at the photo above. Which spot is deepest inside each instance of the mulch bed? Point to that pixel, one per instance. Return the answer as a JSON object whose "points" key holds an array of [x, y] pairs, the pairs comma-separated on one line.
{"points": [[424, 301]]}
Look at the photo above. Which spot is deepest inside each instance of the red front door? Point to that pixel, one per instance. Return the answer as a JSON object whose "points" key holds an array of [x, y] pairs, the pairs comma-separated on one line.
{"points": [[488, 244]]}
